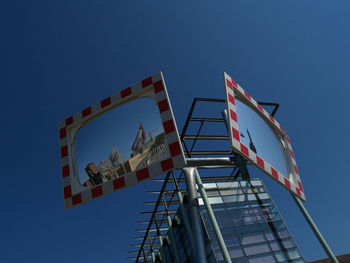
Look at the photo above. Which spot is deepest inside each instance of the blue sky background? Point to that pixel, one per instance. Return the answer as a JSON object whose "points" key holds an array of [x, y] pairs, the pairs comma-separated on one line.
{"points": [[58, 57]]}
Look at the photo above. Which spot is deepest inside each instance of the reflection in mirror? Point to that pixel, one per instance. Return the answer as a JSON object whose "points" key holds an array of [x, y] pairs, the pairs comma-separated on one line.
{"points": [[122, 140], [256, 134]]}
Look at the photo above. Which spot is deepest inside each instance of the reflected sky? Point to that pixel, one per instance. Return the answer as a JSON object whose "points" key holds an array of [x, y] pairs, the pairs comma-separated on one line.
{"points": [[266, 144], [115, 128]]}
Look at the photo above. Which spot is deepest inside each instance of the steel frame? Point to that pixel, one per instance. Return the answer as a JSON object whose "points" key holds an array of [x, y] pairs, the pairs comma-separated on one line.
{"points": [[151, 243]]}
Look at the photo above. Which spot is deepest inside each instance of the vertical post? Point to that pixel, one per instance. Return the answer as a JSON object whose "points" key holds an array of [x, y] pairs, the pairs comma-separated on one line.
{"points": [[161, 248], [212, 218], [144, 255], [171, 233], [151, 247], [315, 230], [184, 214], [195, 214]]}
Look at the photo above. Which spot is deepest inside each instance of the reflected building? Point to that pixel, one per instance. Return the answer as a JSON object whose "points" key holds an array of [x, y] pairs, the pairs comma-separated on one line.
{"points": [[94, 173], [114, 166], [103, 165]]}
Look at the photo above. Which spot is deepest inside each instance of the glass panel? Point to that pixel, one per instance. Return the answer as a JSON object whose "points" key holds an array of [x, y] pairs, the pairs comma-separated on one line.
{"points": [[256, 182], [251, 197], [229, 199], [228, 192], [215, 200], [235, 252], [113, 145], [212, 193], [240, 198], [262, 259], [275, 246], [256, 249], [243, 183], [293, 254], [280, 257], [270, 236], [210, 186], [251, 238], [263, 196], [256, 134], [227, 185]]}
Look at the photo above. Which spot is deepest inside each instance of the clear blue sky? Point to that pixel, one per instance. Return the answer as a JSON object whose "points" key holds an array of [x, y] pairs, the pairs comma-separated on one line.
{"points": [[58, 57]]}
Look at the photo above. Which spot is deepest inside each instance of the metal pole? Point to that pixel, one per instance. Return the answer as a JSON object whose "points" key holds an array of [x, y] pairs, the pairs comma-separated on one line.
{"points": [[184, 214], [212, 218], [192, 197], [171, 233], [152, 252], [161, 248], [315, 230]]}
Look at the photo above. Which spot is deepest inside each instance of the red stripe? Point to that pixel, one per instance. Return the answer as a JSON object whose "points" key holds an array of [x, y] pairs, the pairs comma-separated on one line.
{"points": [[260, 108], [231, 99], [288, 140], [292, 154], [229, 84], [76, 199], [142, 174], [168, 126], [86, 112], [105, 102], [274, 173], [244, 149], [287, 183], [65, 171], [271, 118], [260, 162], [67, 192], [158, 86], [125, 92], [234, 83], [298, 192], [247, 95], [235, 134], [63, 133], [300, 186], [163, 106], [69, 121], [233, 115], [296, 169], [64, 151], [174, 149], [167, 165], [146, 82], [119, 183], [281, 128], [96, 192]]}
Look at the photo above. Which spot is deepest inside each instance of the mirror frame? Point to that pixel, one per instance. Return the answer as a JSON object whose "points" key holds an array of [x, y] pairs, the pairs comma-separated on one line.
{"points": [[292, 183], [152, 87]]}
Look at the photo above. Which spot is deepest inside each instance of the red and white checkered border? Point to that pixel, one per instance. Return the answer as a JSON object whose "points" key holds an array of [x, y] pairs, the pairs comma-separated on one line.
{"points": [[232, 89], [153, 87]]}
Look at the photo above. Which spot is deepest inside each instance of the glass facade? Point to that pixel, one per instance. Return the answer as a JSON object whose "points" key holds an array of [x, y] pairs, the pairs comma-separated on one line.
{"points": [[249, 221]]}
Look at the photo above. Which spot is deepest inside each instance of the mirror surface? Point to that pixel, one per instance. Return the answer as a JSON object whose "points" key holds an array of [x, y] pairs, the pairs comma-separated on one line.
{"points": [[256, 134], [120, 141]]}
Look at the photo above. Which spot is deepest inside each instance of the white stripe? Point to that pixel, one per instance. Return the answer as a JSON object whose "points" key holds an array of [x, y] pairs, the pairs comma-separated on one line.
{"points": [[156, 77]]}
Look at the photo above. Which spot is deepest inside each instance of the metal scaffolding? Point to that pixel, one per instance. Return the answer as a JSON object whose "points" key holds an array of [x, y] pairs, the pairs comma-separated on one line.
{"points": [[174, 191]]}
